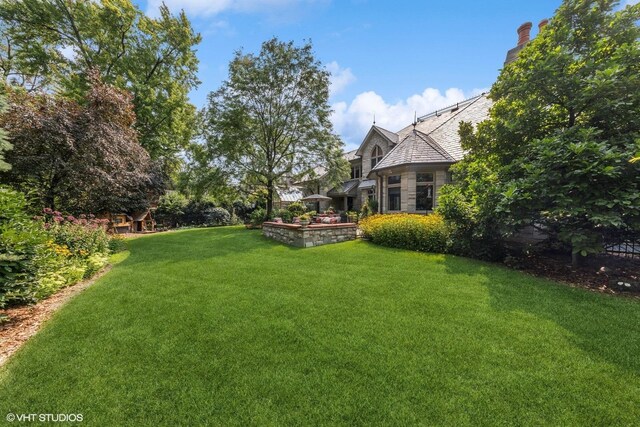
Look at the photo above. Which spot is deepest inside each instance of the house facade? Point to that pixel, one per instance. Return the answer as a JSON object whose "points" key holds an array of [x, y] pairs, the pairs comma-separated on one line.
{"points": [[405, 170]]}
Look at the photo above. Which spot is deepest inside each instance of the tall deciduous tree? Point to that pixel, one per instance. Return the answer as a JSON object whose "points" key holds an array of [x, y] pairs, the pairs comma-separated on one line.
{"points": [[76, 157], [270, 119], [565, 123], [4, 143], [53, 43]]}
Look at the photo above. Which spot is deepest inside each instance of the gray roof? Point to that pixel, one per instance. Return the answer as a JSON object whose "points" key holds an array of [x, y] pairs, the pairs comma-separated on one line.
{"points": [[367, 183], [346, 188], [291, 194], [416, 147], [391, 136], [436, 138], [350, 155]]}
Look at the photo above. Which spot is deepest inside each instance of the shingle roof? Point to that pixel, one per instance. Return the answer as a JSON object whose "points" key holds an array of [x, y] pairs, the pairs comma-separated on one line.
{"points": [[367, 183], [416, 147], [436, 137], [442, 125], [391, 136], [350, 155], [344, 189]]}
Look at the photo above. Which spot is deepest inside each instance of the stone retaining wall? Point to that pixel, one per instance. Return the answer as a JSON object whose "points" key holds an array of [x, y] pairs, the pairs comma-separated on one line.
{"points": [[310, 235]]}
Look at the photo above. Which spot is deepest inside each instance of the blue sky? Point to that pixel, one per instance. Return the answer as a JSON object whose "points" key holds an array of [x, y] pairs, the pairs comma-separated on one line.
{"points": [[390, 58]]}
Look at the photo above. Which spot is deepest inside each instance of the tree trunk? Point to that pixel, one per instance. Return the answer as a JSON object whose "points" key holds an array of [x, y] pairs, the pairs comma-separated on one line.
{"points": [[576, 259], [269, 198]]}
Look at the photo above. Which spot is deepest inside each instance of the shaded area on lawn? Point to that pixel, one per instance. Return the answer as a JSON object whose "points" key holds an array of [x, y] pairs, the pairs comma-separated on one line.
{"points": [[221, 326]]}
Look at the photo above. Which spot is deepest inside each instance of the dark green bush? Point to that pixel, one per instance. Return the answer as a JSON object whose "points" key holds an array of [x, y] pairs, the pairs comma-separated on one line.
{"points": [[218, 216]]}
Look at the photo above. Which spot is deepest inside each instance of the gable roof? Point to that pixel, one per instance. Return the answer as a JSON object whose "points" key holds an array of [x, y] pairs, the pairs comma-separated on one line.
{"points": [[386, 134], [435, 138]]}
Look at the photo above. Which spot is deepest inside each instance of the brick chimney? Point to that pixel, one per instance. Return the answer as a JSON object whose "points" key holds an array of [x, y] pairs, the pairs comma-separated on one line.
{"points": [[524, 33], [542, 24]]}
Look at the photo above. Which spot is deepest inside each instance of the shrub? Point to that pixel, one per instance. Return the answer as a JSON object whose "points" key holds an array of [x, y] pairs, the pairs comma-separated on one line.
{"points": [[171, 208], [24, 250], [296, 208], [258, 216], [218, 216], [197, 212], [243, 210], [39, 256], [473, 232], [286, 215], [425, 233]]}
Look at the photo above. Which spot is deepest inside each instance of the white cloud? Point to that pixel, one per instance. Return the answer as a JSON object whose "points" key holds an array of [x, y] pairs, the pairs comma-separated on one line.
{"points": [[340, 77], [213, 7], [352, 121], [630, 2]]}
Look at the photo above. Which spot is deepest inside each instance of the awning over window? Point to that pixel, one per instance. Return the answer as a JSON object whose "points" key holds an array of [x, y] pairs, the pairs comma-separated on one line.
{"points": [[348, 188], [367, 184]]}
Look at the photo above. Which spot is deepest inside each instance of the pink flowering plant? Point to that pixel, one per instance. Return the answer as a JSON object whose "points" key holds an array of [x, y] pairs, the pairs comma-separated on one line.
{"points": [[83, 236]]}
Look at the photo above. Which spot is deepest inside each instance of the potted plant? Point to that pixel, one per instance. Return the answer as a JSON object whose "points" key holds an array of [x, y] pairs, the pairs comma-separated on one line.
{"points": [[304, 220]]}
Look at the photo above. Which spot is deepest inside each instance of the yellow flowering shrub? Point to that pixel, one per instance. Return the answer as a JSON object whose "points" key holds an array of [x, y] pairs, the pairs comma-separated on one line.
{"points": [[425, 233]]}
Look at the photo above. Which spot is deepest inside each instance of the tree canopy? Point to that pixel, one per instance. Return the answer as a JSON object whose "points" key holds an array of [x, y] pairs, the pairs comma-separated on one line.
{"points": [[269, 121], [556, 150], [51, 44], [4, 143], [79, 158]]}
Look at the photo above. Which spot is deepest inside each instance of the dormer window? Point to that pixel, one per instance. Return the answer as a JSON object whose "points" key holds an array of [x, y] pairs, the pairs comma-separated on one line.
{"points": [[376, 156], [355, 172]]}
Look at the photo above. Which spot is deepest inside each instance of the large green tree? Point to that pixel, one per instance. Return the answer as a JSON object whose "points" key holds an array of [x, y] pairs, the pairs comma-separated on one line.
{"points": [[4, 143], [52, 44], [565, 123], [270, 120]]}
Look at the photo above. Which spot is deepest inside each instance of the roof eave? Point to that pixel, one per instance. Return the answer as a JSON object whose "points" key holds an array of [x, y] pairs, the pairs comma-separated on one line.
{"points": [[373, 172]]}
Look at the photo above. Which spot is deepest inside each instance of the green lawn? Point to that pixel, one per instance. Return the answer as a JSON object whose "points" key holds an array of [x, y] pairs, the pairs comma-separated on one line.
{"points": [[223, 327]]}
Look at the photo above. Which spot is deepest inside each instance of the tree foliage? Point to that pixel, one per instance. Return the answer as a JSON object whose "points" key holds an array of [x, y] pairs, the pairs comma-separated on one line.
{"points": [[4, 143], [76, 157], [565, 123], [270, 120], [53, 43]]}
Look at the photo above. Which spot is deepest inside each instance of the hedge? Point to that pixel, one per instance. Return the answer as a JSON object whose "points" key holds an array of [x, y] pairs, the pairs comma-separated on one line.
{"points": [[425, 233]]}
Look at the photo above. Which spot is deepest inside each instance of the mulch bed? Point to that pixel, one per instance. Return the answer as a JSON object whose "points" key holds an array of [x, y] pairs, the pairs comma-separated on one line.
{"points": [[602, 273], [25, 321]]}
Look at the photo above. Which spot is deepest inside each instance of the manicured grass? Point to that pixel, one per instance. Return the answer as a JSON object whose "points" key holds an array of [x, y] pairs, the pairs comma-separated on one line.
{"points": [[223, 327]]}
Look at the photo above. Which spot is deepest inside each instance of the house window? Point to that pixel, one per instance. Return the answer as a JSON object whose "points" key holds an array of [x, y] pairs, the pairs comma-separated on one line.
{"points": [[424, 177], [376, 156], [424, 191], [394, 179], [394, 198], [355, 172], [371, 194], [449, 177]]}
